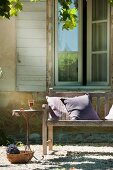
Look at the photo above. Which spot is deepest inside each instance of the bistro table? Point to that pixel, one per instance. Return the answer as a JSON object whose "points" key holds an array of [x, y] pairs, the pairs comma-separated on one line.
{"points": [[26, 114]]}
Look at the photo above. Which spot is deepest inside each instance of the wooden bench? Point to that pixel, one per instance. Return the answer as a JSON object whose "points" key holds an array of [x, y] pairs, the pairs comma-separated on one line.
{"points": [[100, 100]]}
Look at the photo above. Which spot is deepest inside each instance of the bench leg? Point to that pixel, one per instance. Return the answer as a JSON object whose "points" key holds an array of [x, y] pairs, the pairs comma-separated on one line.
{"points": [[50, 137], [44, 133]]}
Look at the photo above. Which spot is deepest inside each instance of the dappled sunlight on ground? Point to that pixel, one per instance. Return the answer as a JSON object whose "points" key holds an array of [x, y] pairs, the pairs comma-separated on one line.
{"points": [[68, 157]]}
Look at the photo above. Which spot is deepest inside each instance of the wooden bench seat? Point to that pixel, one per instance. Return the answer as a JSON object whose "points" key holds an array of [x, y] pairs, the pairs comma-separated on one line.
{"points": [[99, 123], [101, 102]]}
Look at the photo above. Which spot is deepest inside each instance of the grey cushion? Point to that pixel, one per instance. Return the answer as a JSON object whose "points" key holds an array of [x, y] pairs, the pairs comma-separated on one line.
{"points": [[56, 107], [80, 108]]}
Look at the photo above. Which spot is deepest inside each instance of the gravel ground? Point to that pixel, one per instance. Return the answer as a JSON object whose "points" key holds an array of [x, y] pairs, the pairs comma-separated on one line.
{"points": [[79, 157]]}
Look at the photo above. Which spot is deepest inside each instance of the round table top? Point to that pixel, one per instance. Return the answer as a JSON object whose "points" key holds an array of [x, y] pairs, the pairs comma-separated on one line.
{"points": [[19, 111]]}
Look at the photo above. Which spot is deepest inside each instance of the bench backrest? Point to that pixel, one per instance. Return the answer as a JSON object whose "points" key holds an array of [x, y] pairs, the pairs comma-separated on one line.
{"points": [[101, 100]]}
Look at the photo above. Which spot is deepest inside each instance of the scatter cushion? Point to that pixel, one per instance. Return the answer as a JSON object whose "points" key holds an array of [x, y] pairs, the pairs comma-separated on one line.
{"points": [[57, 108], [110, 114], [80, 108]]}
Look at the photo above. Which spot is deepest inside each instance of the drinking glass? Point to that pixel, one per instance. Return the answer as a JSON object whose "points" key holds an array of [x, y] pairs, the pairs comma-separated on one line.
{"points": [[30, 103]]}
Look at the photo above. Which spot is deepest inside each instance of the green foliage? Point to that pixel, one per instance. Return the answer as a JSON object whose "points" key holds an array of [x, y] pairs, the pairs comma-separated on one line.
{"points": [[5, 140], [68, 14], [4, 8], [110, 1], [68, 17], [68, 63], [15, 7], [9, 8]]}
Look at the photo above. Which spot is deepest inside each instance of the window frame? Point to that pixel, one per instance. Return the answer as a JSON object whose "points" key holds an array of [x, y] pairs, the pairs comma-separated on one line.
{"points": [[80, 48], [89, 49], [79, 82]]}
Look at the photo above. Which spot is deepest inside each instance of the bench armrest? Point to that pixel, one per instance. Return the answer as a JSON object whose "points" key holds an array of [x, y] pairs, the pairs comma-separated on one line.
{"points": [[45, 107]]}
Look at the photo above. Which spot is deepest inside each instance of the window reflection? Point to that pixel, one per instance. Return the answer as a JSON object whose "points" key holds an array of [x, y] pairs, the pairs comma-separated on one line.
{"points": [[67, 52]]}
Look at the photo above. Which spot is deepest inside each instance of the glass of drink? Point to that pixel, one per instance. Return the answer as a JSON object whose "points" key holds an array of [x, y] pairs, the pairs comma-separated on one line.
{"points": [[30, 103]]}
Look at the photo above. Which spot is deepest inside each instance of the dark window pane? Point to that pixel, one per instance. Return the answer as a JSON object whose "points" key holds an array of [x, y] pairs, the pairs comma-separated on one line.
{"points": [[99, 8], [99, 67], [99, 37]]}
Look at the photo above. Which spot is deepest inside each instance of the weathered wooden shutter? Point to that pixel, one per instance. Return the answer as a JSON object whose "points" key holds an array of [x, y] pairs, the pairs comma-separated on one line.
{"points": [[31, 47]]}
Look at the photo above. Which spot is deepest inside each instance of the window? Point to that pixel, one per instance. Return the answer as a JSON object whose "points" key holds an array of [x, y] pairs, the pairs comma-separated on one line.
{"points": [[82, 54]]}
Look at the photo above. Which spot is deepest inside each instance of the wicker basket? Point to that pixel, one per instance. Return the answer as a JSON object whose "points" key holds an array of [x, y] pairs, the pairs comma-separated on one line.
{"points": [[22, 157]]}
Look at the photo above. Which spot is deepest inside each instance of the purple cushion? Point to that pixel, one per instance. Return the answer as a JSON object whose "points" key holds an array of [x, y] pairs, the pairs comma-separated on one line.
{"points": [[80, 108], [56, 107]]}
